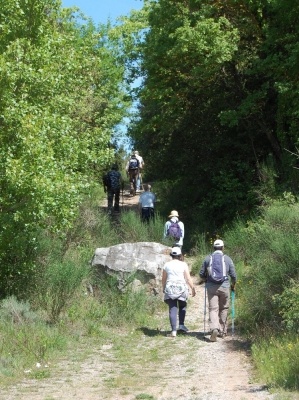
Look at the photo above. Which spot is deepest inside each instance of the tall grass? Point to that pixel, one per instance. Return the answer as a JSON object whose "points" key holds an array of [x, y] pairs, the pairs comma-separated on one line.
{"points": [[132, 229], [26, 341], [58, 307], [277, 361], [265, 251]]}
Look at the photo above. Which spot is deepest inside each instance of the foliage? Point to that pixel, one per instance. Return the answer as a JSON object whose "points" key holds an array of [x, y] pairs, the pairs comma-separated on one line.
{"points": [[277, 361], [267, 258], [117, 307], [57, 286], [288, 303], [134, 230], [26, 340], [213, 104], [17, 312], [62, 94]]}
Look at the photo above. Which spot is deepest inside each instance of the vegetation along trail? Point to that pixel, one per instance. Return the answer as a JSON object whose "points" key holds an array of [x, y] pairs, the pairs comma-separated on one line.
{"points": [[143, 363]]}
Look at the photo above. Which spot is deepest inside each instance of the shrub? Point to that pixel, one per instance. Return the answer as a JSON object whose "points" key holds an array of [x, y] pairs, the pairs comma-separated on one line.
{"points": [[288, 303], [25, 338], [132, 229], [267, 259], [117, 307], [277, 361], [17, 312], [58, 284]]}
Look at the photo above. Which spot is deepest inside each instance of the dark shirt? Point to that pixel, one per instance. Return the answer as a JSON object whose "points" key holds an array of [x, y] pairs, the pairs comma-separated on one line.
{"points": [[113, 180]]}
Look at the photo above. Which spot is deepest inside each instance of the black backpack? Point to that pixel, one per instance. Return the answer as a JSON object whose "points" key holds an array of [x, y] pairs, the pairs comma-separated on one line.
{"points": [[133, 163], [106, 180]]}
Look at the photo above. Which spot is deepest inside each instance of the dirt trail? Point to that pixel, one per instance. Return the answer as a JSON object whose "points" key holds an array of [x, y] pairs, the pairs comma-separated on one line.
{"points": [[156, 367]]}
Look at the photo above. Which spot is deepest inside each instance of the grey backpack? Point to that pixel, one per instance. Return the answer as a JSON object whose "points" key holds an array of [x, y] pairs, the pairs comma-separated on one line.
{"points": [[217, 269]]}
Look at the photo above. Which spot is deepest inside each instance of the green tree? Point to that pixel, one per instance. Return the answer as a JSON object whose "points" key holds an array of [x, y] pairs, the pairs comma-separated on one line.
{"points": [[212, 108], [61, 97]]}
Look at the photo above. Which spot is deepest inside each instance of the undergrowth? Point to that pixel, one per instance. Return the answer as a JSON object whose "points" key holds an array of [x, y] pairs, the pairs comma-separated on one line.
{"points": [[60, 309]]}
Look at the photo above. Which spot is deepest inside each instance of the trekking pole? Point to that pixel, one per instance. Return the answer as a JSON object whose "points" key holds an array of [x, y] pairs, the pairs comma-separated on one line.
{"points": [[233, 312], [205, 313]]}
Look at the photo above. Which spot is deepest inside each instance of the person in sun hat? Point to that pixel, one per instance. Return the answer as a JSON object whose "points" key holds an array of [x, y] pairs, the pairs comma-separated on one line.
{"points": [[218, 271], [174, 229], [175, 281]]}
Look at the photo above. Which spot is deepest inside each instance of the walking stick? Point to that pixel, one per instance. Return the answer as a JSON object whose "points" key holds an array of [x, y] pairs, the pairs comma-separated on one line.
{"points": [[233, 312], [205, 313]]}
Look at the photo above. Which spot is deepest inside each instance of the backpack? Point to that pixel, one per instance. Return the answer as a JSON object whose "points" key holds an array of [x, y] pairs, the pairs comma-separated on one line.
{"points": [[217, 269], [111, 180], [133, 163], [174, 230], [106, 180]]}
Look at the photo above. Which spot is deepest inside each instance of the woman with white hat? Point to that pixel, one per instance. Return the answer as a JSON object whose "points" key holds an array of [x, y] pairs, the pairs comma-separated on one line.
{"points": [[174, 229]]}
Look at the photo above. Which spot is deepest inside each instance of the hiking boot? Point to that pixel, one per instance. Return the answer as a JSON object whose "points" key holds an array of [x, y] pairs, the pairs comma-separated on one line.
{"points": [[183, 328], [214, 334], [222, 334]]}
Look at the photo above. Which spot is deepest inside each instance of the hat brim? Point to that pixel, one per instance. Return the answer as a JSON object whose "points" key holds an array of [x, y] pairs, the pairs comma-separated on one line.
{"points": [[171, 215]]}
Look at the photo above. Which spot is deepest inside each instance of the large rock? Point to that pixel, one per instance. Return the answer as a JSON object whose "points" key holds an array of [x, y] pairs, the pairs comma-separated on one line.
{"points": [[138, 264]]}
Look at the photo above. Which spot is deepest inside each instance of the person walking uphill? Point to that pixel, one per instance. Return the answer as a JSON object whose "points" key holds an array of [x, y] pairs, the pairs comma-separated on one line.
{"points": [[132, 169], [112, 183], [174, 229], [141, 166], [218, 271], [147, 201], [175, 281]]}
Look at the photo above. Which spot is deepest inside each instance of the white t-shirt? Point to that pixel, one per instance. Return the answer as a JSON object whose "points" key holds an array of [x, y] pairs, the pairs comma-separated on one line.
{"points": [[141, 162], [175, 270]]}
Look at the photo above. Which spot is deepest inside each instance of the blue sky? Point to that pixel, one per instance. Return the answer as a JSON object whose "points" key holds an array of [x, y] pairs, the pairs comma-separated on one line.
{"points": [[101, 10]]}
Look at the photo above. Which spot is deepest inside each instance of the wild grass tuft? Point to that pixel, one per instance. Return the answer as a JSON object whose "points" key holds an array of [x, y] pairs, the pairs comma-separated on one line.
{"points": [[26, 340], [132, 229], [277, 361]]}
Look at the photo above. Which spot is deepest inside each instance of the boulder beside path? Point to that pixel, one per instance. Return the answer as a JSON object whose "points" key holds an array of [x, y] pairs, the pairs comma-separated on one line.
{"points": [[137, 264]]}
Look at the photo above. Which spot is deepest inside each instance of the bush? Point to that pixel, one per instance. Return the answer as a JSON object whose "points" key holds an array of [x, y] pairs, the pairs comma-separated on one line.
{"points": [[277, 361], [58, 284], [25, 339], [132, 229], [288, 303], [267, 259], [122, 307], [17, 312]]}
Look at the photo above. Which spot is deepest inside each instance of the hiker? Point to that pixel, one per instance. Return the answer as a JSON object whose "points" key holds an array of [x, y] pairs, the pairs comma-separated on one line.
{"points": [[141, 166], [146, 204], [132, 169], [175, 281], [112, 182], [174, 229], [218, 271]]}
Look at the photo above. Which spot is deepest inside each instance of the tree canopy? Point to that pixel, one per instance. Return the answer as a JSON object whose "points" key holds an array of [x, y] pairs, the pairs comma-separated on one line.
{"points": [[218, 104], [62, 94]]}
